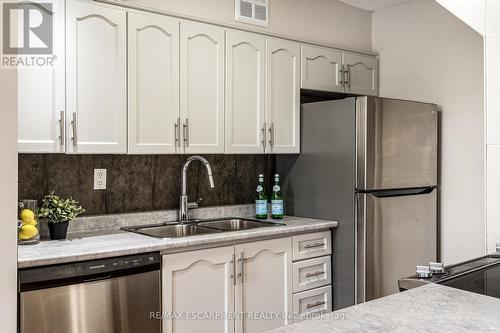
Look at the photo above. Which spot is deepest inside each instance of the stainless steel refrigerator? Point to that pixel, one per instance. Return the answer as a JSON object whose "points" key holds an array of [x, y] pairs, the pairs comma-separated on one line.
{"points": [[371, 164]]}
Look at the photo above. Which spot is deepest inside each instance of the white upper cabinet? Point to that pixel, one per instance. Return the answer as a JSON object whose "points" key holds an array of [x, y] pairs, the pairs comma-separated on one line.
{"points": [[245, 92], [264, 271], [202, 87], [283, 96], [198, 281], [96, 87], [332, 70], [153, 84], [360, 74], [41, 98], [321, 68]]}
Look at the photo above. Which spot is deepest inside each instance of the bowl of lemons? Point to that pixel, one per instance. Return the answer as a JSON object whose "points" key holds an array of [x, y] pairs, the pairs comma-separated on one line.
{"points": [[27, 227]]}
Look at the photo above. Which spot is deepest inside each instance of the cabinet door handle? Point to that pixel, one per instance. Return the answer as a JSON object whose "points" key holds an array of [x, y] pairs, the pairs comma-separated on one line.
{"points": [[271, 135], [341, 79], [308, 275], [177, 133], [347, 78], [312, 246], [185, 129], [233, 270], [61, 128], [74, 123], [241, 274], [263, 129], [308, 306]]}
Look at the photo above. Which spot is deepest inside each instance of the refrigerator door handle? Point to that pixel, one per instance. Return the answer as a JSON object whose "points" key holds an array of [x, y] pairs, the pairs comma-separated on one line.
{"points": [[401, 192]]}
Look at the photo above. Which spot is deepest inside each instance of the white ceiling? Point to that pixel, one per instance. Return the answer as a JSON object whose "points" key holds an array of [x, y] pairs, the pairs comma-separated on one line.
{"points": [[372, 5]]}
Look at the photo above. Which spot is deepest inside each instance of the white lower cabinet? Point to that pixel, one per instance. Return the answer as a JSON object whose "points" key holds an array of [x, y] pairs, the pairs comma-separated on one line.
{"points": [[265, 284], [312, 302], [312, 273], [237, 285], [196, 284], [312, 268]]}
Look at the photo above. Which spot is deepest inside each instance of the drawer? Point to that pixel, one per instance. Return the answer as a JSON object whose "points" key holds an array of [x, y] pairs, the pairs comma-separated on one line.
{"points": [[312, 245], [314, 301], [312, 273]]}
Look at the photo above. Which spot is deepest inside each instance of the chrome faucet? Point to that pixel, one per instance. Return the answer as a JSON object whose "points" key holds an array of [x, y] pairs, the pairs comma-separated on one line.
{"points": [[184, 204]]}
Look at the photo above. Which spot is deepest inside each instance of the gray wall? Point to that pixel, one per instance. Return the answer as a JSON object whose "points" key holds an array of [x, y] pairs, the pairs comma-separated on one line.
{"points": [[139, 182], [324, 21]]}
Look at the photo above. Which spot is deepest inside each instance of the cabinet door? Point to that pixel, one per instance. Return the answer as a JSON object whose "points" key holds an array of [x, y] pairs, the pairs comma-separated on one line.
{"points": [[283, 96], [245, 93], [321, 68], [41, 97], [361, 74], [202, 87], [264, 271], [96, 78], [153, 83], [198, 282]]}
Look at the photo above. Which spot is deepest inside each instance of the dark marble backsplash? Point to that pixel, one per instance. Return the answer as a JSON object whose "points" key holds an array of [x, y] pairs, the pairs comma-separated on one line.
{"points": [[140, 182]]}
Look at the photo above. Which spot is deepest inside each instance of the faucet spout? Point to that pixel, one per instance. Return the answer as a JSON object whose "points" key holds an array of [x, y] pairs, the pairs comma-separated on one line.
{"points": [[184, 204]]}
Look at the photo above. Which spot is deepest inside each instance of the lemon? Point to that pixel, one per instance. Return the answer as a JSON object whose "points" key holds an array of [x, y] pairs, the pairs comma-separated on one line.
{"points": [[27, 232], [32, 222], [27, 215]]}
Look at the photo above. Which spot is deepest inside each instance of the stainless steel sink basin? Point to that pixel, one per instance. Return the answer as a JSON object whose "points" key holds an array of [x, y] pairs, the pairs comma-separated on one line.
{"points": [[199, 227], [234, 224], [172, 231]]}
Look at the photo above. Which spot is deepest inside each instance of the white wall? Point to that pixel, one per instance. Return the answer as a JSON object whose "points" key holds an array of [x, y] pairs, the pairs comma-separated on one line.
{"points": [[493, 122], [8, 200], [325, 21], [427, 54], [469, 11]]}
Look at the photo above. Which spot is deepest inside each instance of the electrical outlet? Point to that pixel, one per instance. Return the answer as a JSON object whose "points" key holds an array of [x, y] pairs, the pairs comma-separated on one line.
{"points": [[99, 179]]}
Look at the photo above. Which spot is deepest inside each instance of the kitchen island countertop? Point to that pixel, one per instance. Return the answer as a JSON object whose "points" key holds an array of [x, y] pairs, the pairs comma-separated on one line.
{"points": [[430, 308], [113, 243]]}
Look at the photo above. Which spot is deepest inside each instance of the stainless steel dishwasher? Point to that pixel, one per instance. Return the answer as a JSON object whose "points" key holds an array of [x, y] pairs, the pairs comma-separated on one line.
{"points": [[120, 294]]}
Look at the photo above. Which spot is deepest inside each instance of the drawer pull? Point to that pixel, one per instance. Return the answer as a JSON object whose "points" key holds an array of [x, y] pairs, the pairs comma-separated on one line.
{"points": [[312, 246], [318, 303], [308, 275]]}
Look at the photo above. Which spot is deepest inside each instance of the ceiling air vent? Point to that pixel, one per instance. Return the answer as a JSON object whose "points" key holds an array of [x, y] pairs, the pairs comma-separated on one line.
{"points": [[252, 11]]}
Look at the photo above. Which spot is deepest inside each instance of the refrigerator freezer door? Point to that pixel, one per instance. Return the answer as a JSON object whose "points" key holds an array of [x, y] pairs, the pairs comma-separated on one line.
{"points": [[396, 144], [394, 234]]}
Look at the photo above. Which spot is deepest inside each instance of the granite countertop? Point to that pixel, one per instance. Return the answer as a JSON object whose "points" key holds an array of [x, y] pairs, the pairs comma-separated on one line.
{"points": [[109, 243], [430, 308]]}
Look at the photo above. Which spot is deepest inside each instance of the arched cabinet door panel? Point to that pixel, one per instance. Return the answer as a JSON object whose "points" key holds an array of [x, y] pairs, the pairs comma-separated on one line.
{"points": [[361, 74], [198, 282], [321, 68], [41, 95], [153, 84], [96, 86], [264, 271], [245, 92], [283, 96], [202, 87]]}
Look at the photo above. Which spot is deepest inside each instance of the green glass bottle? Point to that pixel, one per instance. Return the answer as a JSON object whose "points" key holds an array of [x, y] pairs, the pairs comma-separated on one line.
{"points": [[277, 210], [261, 200]]}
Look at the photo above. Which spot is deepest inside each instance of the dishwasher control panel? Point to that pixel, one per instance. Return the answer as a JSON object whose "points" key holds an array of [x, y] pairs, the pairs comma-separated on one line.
{"points": [[84, 270]]}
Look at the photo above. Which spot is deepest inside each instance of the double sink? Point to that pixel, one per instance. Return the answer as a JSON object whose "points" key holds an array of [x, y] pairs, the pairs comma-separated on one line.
{"points": [[200, 227]]}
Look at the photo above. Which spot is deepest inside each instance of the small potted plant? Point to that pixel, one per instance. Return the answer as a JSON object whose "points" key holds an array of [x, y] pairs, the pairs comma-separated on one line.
{"points": [[59, 212]]}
